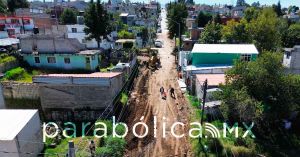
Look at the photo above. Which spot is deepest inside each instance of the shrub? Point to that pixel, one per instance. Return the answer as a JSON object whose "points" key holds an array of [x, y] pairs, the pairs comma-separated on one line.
{"points": [[15, 74], [124, 98]]}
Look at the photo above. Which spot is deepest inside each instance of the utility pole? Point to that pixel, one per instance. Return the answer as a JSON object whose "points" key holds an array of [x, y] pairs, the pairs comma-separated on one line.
{"points": [[203, 99]]}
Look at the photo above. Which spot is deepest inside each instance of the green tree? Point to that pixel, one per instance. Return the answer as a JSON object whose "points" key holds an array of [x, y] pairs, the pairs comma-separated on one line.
{"points": [[235, 32], [203, 19], [292, 36], [277, 9], [125, 35], [15, 4], [96, 20], [68, 17], [177, 13], [113, 147], [266, 82], [217, 19], [3, 7], [251, 13], [264, 31], [211, 34], [241, 3]]}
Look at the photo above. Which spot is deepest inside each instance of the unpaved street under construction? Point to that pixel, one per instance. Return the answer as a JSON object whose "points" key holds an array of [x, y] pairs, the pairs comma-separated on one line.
{"points": [[145, 101]]}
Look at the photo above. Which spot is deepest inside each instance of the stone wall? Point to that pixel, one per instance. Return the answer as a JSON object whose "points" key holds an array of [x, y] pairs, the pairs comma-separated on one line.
{"points": [[7, 66], [16, 90]]}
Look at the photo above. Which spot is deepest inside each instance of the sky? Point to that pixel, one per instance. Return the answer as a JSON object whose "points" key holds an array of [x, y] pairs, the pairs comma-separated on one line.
{"points": [[284, 3]]}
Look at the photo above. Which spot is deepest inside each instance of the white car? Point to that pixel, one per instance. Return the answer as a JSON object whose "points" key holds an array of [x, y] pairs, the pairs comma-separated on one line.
{"points": [[158, 43]]}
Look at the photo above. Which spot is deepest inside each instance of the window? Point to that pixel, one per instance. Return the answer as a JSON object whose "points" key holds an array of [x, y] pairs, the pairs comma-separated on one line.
{"points": [[37, 59], [51, 60], [246, 57], [288, 55], [93, 57], [67, 60], [74, 30], [87, 60]]}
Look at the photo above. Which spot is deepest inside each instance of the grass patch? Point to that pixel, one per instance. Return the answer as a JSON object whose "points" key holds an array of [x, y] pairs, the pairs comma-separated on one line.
{"points": [[124, 98], [5, 58], [20, 75]]}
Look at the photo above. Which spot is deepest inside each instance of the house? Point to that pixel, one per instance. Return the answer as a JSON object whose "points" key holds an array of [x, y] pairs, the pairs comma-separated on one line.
{"points": [[212, 59], [291, 59], [213, 82], [188, 43], [125, 43], [222, 54], [51, 52], [78, 96], [20, 133], [15, 25], [77, 32], [238, 11]]}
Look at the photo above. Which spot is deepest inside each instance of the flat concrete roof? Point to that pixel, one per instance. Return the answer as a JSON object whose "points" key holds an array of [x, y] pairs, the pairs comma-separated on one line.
{"points": [[225, 48], [212, 79], [92, 75], [13, 121]]}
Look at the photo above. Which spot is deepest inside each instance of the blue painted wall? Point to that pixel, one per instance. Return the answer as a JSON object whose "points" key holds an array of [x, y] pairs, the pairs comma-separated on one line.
{"points": [[76, 61]]}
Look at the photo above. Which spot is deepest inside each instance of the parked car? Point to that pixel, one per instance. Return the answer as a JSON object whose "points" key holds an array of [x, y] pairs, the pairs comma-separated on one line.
{"points": [[3, 50], [159, 30], [158, 43]]}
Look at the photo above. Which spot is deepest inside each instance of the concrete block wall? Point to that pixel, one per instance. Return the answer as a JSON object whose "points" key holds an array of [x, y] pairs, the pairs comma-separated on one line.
{"points": [[16, 90]]}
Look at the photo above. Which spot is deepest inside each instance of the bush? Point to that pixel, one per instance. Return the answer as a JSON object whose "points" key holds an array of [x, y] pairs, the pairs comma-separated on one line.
{"points": [[124, 98], [15, 74]]}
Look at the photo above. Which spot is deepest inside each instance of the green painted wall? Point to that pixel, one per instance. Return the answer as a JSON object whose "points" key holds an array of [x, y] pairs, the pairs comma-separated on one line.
{"points": [[216, 58]]}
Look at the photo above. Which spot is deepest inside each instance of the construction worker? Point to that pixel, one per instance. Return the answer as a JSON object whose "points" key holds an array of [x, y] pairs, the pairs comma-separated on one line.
{"points": [[161, 90], [172, 92]]}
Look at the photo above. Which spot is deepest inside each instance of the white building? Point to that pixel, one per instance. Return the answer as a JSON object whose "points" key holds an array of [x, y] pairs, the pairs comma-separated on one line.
{"points": [[291, 59], [20, 133], [76, 31]]}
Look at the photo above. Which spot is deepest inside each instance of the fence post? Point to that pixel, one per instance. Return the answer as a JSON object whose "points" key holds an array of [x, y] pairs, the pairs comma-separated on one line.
{"points": [[71, 151]]}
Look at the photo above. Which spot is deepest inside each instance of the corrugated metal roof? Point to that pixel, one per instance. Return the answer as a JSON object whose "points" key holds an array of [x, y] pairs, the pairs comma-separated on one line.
{"points": [[225, 48]]}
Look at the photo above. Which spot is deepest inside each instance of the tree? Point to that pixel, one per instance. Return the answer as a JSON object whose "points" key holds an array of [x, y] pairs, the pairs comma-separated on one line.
{"points": [[124, 34], [277, 9], [217, 19], [97, 21], [264, 32], [255, 4], [235, 32], [177, 13], [113, 147], [3, 7], [15, 4], [241, 3], [203, 19], [68, 17], [292, 36], [251, 13], [211, 34]]}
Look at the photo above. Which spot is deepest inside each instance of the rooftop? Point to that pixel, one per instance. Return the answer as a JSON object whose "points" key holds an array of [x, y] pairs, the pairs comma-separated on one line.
{"points": [[89, 52], [225, 48], [92, 75], [212, 79], [13, 121]]}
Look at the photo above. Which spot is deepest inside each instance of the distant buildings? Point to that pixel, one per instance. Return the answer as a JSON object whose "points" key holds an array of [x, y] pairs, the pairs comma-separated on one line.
{"points": [[20, 133], [15, 25], [291, 59], [47, 51]]}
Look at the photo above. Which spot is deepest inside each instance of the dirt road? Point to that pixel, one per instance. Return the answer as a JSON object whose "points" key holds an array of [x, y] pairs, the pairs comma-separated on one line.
{"points": [[146, 101]]}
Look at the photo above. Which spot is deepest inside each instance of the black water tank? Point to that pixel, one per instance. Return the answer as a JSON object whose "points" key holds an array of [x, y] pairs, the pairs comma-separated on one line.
{"points": [[36, 30]]}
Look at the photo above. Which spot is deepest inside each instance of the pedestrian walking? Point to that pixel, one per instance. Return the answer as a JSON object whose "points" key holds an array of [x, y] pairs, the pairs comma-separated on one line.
{"points": [[161, 90], [172, 92]]}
